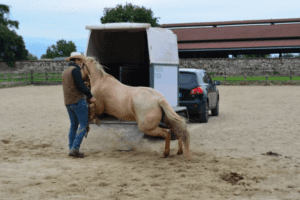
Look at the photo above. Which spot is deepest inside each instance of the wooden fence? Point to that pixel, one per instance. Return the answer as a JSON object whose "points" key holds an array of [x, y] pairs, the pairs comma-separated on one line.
{"points": [[10, 79], [257, 80]]}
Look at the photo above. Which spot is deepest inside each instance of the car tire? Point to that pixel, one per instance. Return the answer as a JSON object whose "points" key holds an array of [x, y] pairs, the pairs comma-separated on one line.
{"points": [[203, 117], [215, 111]]}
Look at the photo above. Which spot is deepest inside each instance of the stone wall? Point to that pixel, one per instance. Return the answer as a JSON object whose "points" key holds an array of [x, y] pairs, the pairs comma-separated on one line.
{"points": [[245, 67], [36, 66]]}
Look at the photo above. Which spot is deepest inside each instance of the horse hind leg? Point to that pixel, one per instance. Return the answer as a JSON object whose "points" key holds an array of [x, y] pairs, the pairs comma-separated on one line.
{"points": [[160, 132], [180, 150], [168, 124]]}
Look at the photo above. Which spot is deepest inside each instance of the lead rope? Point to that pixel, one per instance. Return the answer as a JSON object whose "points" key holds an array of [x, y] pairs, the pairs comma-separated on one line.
{"points": [[88, 85]]}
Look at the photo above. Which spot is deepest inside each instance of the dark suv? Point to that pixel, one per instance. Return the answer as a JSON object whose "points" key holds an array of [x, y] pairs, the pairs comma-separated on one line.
{"points": [[198, 93]]}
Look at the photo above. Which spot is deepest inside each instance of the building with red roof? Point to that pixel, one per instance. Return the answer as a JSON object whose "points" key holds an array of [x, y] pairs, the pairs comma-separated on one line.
{"points": [[221, 39]]}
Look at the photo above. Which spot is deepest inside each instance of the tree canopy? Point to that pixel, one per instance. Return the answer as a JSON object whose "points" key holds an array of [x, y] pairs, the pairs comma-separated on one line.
{"points": [[12, 46], [31, 57], [129, 13], [61, 49], [4, 20]]}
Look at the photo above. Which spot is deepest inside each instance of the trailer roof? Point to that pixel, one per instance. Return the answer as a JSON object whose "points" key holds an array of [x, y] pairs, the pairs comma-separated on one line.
{"points": [[119, 25]]}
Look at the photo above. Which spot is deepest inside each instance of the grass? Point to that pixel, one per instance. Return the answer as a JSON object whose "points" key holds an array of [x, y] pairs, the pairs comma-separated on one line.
{"points": [[217, 78], [237, 78], [256, 78], [279, 78], [296, 79]]}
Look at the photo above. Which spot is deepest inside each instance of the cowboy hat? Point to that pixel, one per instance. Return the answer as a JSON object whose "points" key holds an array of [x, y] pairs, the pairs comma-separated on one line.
{"points": [[75, 55]]}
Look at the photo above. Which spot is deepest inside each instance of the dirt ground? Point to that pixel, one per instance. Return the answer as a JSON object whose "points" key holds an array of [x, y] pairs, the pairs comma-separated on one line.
{"points": [[227, 161]]}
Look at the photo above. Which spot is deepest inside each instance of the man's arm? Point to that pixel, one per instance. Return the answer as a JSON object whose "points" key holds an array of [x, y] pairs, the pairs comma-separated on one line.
{"points": [[79, 83]]}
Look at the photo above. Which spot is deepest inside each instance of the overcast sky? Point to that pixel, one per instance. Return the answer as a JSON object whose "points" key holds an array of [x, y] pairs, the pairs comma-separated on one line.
{"points": [[42, 23]]}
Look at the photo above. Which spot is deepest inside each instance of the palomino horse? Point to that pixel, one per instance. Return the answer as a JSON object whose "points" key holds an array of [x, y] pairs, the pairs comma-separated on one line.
{"points": [[144, 105]]}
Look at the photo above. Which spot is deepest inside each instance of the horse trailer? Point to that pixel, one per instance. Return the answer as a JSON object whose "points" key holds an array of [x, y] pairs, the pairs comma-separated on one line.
{"points": [[138, 55]]}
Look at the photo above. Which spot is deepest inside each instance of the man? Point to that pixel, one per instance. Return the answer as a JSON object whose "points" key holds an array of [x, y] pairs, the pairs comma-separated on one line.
{"points": [[75, 93]]}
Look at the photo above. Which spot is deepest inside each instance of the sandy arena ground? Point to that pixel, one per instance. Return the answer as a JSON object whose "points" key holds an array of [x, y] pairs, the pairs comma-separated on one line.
{"points": [[34, 161]]}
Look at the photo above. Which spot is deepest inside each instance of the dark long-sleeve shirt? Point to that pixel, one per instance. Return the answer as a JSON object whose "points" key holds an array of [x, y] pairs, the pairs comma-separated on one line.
{"points": [[78, 80]]}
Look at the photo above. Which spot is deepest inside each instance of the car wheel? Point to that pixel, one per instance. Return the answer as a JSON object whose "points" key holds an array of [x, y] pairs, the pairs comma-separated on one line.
{"points": [[203, 117], [215, 111]]}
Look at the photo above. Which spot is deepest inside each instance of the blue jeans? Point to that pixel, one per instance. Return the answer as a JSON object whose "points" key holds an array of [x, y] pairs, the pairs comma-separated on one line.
{"points": [[78, 114]]}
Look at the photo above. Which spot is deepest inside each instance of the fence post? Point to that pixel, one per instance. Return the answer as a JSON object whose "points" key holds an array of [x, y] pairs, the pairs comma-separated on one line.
{"points": [[46, 76], [31, 76], [266, 79]]}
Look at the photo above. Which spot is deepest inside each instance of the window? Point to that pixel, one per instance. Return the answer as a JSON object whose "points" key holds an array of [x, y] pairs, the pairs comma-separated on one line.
{"points": [[207, 79], [187, 80]]}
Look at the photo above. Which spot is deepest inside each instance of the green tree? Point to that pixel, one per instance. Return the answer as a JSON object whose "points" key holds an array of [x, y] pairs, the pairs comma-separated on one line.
{"points": [[12, 47], [61, 49], [129, 13], [31, 57], [4, 20]]}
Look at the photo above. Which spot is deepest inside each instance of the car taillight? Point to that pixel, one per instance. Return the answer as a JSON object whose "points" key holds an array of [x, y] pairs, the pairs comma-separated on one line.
{"points": [[197, 90]]}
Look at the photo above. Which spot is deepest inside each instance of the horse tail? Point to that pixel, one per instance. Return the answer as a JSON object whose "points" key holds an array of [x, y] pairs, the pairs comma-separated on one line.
{"points": [[178, 125]]}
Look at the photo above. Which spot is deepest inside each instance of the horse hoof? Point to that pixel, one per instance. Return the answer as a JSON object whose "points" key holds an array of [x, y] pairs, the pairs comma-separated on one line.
{"points": [[179, 152], [165, 155], [98, 122]]}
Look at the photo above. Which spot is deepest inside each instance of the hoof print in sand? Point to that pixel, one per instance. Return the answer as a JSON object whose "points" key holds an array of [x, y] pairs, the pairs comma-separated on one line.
{"points": [[232, 178]]}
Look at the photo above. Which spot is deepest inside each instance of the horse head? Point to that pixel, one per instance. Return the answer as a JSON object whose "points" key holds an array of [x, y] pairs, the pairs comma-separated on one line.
{"points": [[85, 73]]}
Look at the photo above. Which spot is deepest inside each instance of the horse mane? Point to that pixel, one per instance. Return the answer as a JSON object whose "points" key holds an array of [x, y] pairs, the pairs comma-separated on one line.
{"points": [[97, 66]]}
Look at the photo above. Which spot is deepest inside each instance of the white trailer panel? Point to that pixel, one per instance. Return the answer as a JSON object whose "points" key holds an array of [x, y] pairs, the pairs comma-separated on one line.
{"points": [[162, 44], [165, 81]]}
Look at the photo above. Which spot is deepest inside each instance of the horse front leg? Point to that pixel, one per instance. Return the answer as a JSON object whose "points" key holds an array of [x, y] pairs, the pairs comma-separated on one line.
{"points": [[91, 111], [97, 121], [93, 114]]}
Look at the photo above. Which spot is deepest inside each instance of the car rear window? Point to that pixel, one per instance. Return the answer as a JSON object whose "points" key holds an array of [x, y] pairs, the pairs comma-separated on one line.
{"points": [[187, 80]]}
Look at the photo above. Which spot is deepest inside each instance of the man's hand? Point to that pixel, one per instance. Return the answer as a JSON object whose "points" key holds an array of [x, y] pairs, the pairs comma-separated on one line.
{"points": [[93, 99]]}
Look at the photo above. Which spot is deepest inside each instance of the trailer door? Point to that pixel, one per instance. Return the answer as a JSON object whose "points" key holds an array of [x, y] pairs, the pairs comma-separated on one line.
{"points": [[165, 80]]}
